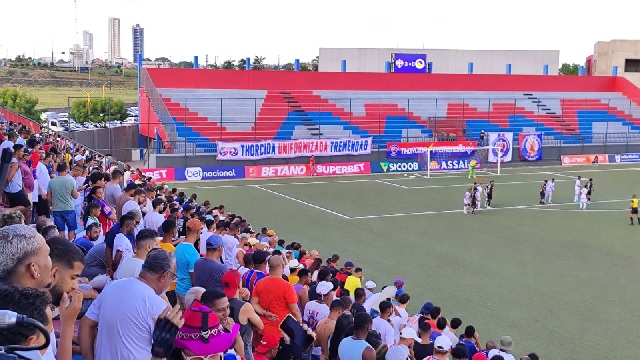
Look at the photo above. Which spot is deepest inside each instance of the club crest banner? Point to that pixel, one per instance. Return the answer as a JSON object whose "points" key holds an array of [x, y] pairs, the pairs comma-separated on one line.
{"points": [[530, 146], [503, 141]]}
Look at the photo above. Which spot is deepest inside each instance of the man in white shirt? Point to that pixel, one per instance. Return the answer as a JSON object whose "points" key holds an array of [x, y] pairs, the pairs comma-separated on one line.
{"points": [[230, 242], [551, 187], [146, 240], [40, 190], [117, 329], [134, 202], [506, 346], [576, 189], [12, 137], [382, 323], [318, 310], [122, 247], [154, 219]]}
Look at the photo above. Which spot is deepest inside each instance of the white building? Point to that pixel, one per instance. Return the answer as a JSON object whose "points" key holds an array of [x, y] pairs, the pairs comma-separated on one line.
{"points": [[445, 61], [79, 55], [114, 39], [87, 42]]}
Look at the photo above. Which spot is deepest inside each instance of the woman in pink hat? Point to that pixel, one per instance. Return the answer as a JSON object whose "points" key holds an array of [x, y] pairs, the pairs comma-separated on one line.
{"points": [[202, 336]]}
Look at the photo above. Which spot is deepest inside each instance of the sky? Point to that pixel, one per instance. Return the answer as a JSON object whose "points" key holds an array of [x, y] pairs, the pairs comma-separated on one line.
{"points": [[297, 29]]}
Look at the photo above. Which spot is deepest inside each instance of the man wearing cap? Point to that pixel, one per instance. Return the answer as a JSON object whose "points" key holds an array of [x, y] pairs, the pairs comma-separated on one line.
{"points": [[369, 287], [78, 160], [404, 348], [441, 349], [344, 273], [242, 312], [251, 277], [318, 310], [294, 266], [186, 256], [504, 349], [354, 281], [268, 348], [208, 270]]}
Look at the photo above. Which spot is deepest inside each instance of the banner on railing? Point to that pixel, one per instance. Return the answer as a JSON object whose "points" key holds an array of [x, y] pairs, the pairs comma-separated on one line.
{"points": [[530, 146], [274, 171], [394, 167], [210, 173], [624, 158], [585, 159], [160, 174], [412, 150], [502, 141], [292, 148]]}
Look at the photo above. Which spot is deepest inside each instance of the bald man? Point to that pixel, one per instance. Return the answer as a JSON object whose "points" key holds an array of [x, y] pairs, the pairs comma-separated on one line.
{"points": [[274, 298]]}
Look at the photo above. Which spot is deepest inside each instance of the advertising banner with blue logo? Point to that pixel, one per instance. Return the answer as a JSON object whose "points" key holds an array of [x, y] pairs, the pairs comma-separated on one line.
{"points": [[530, 146], [275, 149], [623, 158], [210, 173], [414, 150], [394, 167], [502, 141], [409, 63]]}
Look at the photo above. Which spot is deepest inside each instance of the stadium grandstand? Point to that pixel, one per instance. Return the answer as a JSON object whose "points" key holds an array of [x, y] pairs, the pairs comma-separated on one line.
{"points": [[195, 108]]}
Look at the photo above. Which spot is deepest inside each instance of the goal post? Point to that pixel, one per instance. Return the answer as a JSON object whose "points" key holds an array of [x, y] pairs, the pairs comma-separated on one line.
{"points": [[455, 159]]}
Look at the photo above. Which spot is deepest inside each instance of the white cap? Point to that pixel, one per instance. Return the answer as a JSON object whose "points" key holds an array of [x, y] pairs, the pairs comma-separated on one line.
{"points": [[397, 353], [78, 158], [442, 343], [409, 333], [294, 264], [324, 287], [370, 285]]}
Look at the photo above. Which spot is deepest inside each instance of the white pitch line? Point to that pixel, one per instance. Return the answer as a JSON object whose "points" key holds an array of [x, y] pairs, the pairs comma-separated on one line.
{"points": [[588, 210], [463, 185], [558, 174], [302, 202], [526, 207], [392, 184]]}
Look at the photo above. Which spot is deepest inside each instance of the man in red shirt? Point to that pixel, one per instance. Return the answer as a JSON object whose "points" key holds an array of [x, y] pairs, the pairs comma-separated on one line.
{"points": [[268, 348], [312, 165], [274, 298]]}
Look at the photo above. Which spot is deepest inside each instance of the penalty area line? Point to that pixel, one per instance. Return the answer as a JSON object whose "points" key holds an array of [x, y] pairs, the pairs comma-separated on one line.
{"points": [[301, 202]]}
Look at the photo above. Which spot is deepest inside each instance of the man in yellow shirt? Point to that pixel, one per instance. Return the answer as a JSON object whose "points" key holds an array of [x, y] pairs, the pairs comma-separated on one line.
{"points": [[634, 209], [354, 281], [169, 231]]}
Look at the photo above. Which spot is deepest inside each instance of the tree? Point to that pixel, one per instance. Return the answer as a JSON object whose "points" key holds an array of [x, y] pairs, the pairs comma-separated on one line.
{"points": [[305, 67], [162, 59], [19, 102], [569, 69], [288, 67], [258, 63], [146, 59], [185, 64], [242, 64], [315, 63], [229, 64], [98, 110], [213, 66]]}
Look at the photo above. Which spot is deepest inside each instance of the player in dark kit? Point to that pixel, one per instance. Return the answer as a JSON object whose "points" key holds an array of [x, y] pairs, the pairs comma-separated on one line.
{"points": [[489, 194], [543, 188], [474, 201], [589, 190]]}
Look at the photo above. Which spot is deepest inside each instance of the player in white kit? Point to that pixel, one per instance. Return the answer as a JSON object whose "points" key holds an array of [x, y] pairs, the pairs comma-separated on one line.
{"points": [[577, 187], [550, 188], [583, 197], [467, 201]]}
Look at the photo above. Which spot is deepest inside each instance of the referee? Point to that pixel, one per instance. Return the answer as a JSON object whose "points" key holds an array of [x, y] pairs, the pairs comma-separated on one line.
{"points": [[633, 209]]}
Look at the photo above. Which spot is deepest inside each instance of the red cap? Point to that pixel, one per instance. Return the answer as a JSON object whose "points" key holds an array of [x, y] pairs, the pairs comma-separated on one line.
{"points": [[230, 282], [268, 342]]}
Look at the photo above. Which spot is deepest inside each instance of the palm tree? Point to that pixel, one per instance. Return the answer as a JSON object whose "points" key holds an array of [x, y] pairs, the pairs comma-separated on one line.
{"points": [[315, 63], [258, 63], [242, 63], [288, 66], [229, 64]]}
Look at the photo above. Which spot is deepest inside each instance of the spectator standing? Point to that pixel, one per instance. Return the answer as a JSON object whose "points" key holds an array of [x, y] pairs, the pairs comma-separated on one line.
{"points": [[61, 192], [356, 346], [504, 349], [154, 219], [146, 240], [424, 347], [251, 277], [208, 271], [122, 247], [325, 328], [127, 195], [14, 189], [113, 190], [116, 329], [43, 209], [382, 323], [12, 137], [186, 256]]}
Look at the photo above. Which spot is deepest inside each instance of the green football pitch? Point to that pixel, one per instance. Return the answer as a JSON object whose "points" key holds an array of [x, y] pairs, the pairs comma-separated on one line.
{"points": [[562, 282]]}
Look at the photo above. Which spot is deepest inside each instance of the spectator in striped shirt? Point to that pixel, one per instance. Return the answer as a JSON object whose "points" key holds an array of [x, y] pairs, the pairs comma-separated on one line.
{"points": [[251, 277]]}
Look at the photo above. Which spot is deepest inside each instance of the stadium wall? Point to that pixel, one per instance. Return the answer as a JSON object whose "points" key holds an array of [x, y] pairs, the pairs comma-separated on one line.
{"points": [[445, 61], [352, 81], [607, 54]]}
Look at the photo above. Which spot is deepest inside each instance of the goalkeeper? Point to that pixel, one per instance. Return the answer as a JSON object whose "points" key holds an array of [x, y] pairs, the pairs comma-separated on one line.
{"points": [[472, 169]]}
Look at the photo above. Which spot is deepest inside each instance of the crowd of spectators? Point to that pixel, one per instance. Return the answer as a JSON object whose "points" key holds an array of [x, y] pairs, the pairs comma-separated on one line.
{"points": [[110, 255]]}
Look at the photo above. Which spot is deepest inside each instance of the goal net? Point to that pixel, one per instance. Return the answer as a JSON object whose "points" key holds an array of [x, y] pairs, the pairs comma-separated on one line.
{"points": [[456, 158]]}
